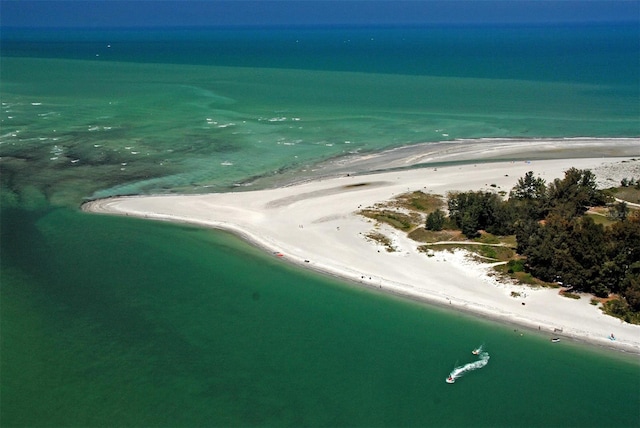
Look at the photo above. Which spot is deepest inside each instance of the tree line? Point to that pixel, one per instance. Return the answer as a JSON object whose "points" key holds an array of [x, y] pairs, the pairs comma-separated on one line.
{"points": [[559, 243]]}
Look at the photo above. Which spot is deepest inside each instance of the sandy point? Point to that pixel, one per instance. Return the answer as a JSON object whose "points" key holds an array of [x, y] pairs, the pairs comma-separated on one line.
{"points": [[315, 224]]}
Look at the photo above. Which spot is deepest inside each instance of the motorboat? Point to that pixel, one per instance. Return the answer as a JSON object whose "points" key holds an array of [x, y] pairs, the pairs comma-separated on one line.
{"points": [[555, 340], [450, 380]]}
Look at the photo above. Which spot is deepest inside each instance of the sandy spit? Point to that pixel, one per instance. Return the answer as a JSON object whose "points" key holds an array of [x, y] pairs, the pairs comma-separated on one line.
{"points": [[314, 224]]}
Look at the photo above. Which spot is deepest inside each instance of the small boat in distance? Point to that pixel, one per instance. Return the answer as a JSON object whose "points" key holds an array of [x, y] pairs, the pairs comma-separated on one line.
{"points": [[477, 351], [555, 340], [450, 379]]}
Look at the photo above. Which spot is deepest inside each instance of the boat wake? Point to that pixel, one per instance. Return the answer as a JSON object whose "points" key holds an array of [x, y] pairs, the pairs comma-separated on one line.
{"points": [[460, 371]]}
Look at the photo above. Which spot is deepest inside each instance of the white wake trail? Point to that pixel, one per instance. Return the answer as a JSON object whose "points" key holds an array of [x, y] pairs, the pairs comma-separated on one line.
{"points": [[458, 372]]}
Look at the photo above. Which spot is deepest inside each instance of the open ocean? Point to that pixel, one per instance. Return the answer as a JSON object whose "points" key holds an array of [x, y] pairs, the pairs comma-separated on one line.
{"points": [[120, 322]]}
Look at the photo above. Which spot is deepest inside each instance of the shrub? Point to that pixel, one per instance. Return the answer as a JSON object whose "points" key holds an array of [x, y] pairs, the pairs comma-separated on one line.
{"points": [[435, 220], [515, 266]]}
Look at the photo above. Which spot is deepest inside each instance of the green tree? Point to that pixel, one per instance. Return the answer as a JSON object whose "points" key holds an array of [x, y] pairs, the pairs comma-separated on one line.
{"points": [[612, 274], [570, 250], [571, 196], [503, 218], [631, 290], [525, 228], [619, 211], [547, 250], [623, 251], [469, 225], [528, 198], [435, 220], [589, 252], [529, 187], [474, 211]]}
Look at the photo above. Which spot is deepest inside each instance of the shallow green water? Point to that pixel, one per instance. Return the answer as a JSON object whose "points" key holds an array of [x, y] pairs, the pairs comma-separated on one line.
{"points": [[136, 323], [89, 128]]}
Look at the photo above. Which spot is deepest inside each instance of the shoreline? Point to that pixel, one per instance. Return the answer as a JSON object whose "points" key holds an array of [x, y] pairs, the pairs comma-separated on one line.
{"points": [[441, 154], [313, 225]]}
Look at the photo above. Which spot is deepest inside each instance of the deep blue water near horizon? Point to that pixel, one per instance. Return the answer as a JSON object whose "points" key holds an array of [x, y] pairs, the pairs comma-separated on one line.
{"points": [[116, 321], [577, 52]]}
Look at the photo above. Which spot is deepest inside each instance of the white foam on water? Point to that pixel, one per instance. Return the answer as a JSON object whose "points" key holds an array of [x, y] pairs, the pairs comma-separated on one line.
{"points": [[460, 371]]}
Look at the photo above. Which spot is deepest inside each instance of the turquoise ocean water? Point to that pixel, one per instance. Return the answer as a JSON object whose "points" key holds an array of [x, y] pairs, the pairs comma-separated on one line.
{"points": [[112, 321]]}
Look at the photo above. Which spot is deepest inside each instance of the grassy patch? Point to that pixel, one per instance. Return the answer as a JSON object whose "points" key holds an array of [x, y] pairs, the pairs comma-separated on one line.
{"points": [[394, 219], [600, 219], [570, 295], [485, 251], [515, 266], [442, 247], [514, 270], [421, 234], [527, 278], [498, 253], [419, 201], [381, 239], [487, 238], [629, 194]]}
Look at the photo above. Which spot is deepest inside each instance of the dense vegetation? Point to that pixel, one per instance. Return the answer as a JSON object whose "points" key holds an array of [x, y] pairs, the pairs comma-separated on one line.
{"points": [[559, 242]]}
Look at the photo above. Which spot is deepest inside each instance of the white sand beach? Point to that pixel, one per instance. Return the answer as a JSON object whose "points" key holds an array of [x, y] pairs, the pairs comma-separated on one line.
{"points": [[315, 225]]}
